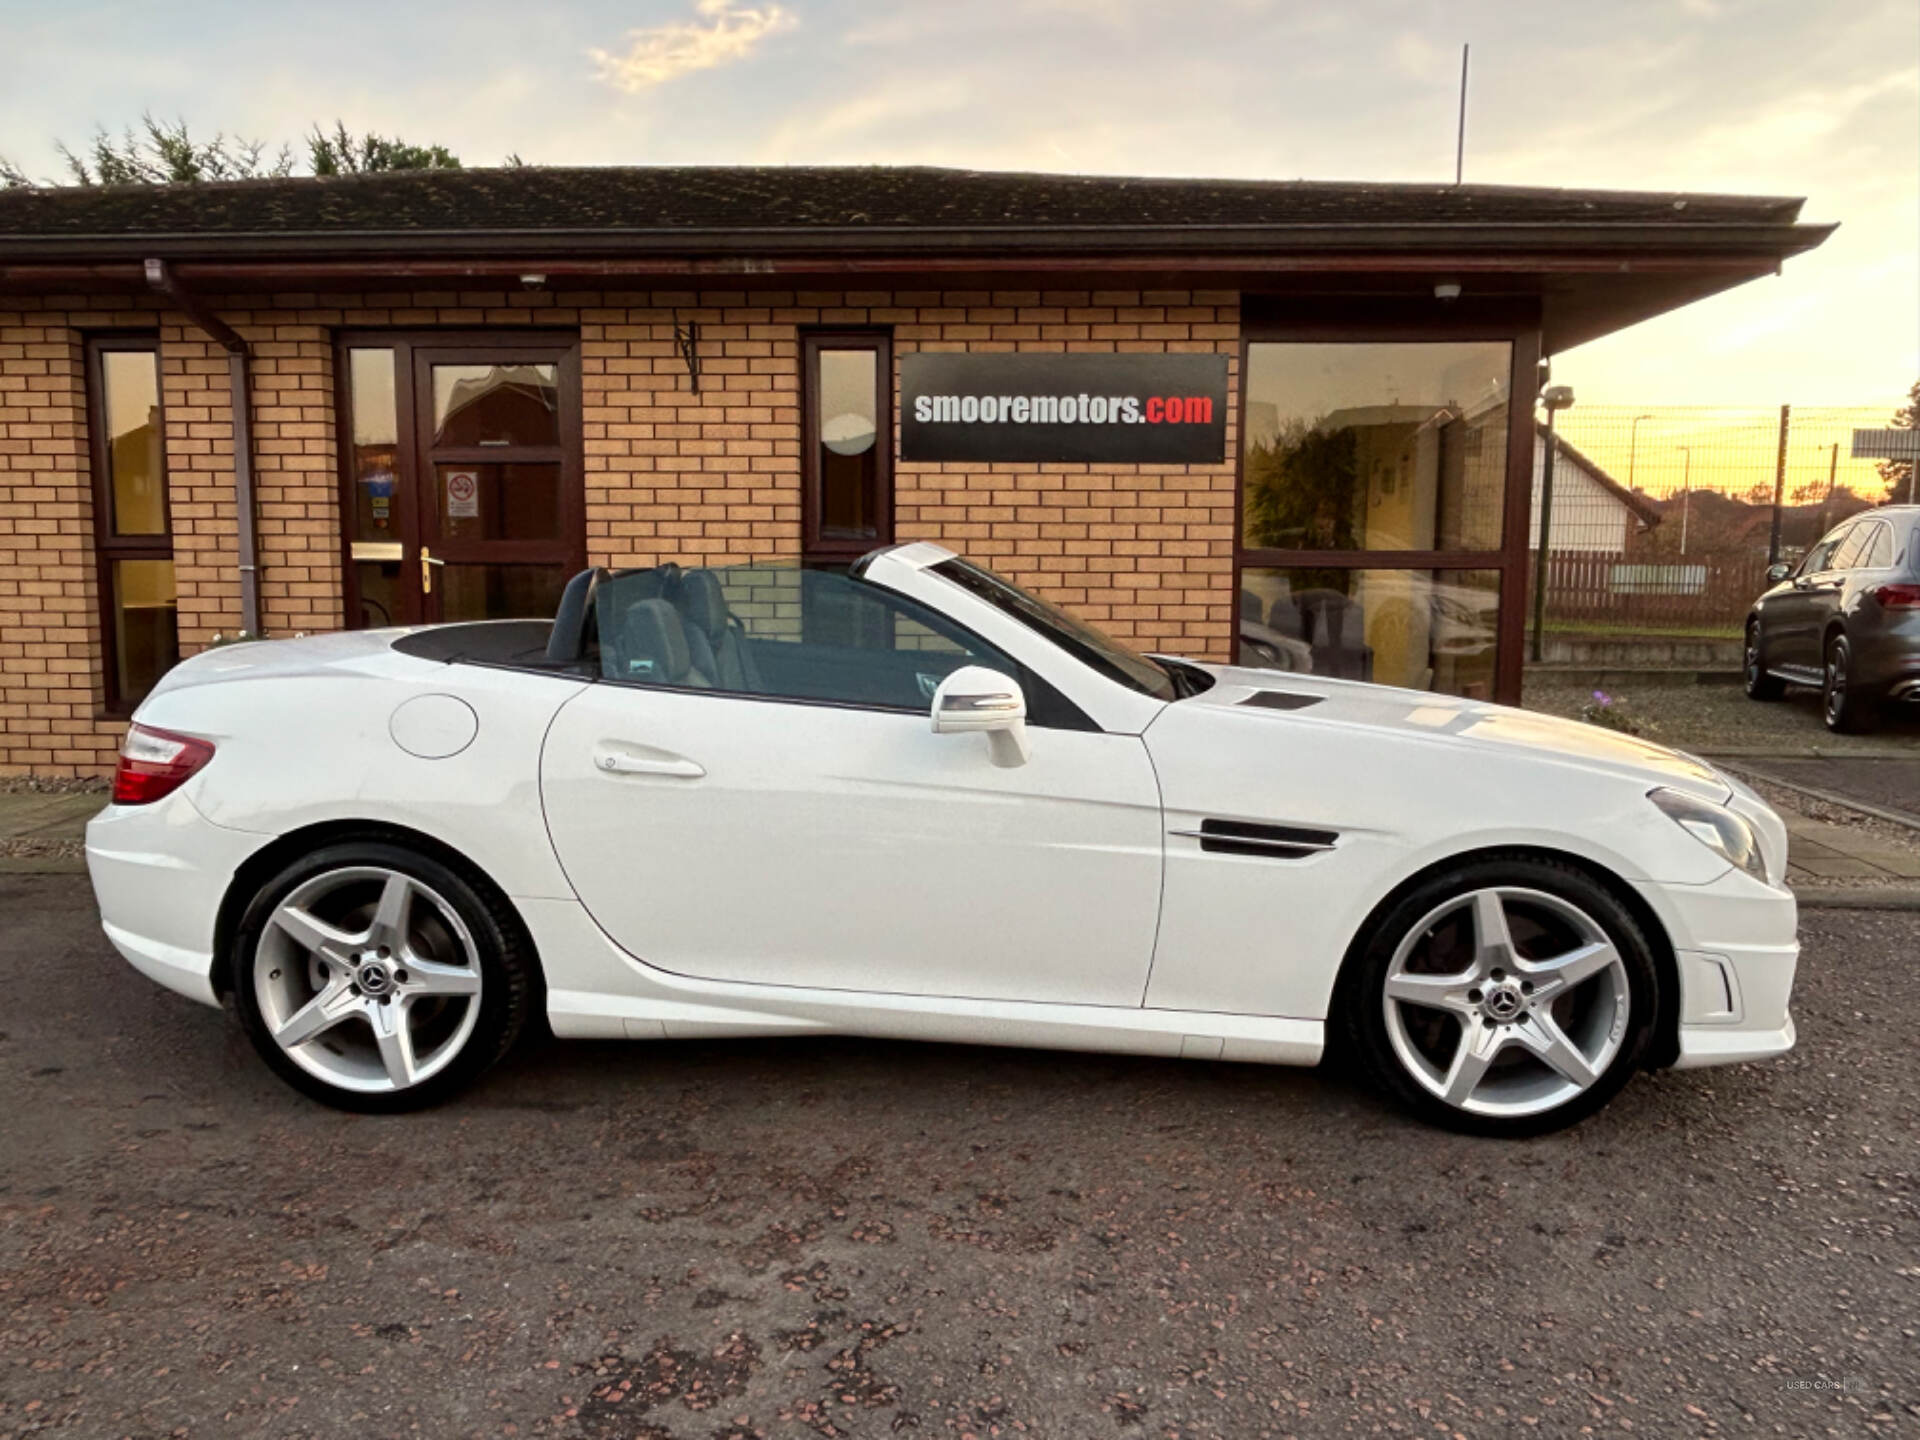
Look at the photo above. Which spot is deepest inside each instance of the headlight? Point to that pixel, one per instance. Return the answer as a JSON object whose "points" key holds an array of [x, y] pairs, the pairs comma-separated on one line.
{"points": [[1716, 827]]}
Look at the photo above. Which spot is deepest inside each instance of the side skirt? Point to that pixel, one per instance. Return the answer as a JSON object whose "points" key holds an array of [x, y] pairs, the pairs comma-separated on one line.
{"points": [[595, 990]]}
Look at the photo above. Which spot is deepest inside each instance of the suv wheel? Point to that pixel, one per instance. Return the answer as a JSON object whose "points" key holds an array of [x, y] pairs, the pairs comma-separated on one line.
{"points": [[1845, 705], [1760, 685]]}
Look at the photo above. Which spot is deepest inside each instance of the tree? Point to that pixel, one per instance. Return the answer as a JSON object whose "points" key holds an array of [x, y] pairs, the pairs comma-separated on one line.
{"points": [[341, 154], [161, 153], [1899, 473]]}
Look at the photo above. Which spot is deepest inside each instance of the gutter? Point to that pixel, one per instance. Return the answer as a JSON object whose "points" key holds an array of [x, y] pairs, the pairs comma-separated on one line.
{"points": [[551, 266], [239, 371], [1617, 241]]}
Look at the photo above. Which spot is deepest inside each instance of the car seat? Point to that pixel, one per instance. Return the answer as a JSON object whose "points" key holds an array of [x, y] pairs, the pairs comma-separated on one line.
{"points": [[652, 646], [715, 636]]}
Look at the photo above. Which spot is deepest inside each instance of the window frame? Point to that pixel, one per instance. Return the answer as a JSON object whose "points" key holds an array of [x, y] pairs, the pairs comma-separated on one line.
{"points": [[1881, 531], [1280, 318], [109, 547], [1855, 547], [816, 549]]}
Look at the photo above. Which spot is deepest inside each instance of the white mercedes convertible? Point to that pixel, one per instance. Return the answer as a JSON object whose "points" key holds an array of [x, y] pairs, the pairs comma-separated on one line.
{"points": [[913, 800]]}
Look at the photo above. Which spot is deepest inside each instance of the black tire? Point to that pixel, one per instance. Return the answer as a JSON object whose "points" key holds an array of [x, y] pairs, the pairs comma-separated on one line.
{"points": [[1760, 685], [1848, 707], [509, 986], [1361, 1004]]}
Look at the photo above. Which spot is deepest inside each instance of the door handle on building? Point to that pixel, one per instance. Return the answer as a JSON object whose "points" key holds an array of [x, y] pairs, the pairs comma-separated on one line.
{"points": [[427, 562]]}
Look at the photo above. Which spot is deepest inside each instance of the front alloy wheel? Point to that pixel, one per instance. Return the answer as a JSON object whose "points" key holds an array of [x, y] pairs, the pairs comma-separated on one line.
{"points": [[1760, 685], [1507, 998], [1844, 704], [377, 979]]}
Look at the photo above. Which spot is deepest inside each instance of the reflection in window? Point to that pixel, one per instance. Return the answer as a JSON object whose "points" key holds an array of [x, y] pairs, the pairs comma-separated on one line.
{"points": [[1376, 446], [501, 592], [146, 629], [499, 500], [376, 438], [847, 415], [1426, 630], [131, 406], [846, 500], [496, 405], [133, 543]]}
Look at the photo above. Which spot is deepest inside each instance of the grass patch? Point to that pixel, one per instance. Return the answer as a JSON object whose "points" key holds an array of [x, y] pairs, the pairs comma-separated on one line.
{"points": [[1625, 629]]}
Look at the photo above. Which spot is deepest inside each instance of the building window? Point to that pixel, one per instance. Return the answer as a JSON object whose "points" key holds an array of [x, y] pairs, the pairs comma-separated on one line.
{"points": [[846, 444], [133, 536]]}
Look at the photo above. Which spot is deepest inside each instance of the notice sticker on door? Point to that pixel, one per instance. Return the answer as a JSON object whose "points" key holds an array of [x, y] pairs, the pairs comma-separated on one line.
{"points": [[463, 495]]}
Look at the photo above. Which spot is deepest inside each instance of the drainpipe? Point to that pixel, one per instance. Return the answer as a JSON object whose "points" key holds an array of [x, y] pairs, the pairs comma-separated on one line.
{"points": [[239, 356]]}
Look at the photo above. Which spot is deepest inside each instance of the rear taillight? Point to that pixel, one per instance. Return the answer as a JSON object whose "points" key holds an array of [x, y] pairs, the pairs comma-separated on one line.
{"points": [[1898, 597], [155, 763]]}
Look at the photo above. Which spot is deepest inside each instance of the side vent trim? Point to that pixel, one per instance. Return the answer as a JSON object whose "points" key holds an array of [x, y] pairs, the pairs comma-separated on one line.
{"points": [[1267, 842]]}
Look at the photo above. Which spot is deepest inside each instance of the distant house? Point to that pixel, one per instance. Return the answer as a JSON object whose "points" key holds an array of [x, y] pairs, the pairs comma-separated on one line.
{"points": [[1593, 513]]}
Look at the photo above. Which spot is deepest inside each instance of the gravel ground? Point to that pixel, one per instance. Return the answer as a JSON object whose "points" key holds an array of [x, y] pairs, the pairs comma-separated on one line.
{"points": [[53, 785], [830, 1238], [1712, 717]]}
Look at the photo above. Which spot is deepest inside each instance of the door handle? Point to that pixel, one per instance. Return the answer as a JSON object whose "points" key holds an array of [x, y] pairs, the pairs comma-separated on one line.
{"points": [[626, 762], [427, 562]]}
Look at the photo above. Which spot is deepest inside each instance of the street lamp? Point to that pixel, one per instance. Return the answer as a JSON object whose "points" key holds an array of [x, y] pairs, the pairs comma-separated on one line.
{"points": [[1633, 445], [1556, 398], [1686, 495]]}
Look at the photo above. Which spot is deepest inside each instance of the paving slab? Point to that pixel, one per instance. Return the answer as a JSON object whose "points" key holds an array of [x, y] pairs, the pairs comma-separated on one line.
{"points": [[1887, 783], [56, 816]]}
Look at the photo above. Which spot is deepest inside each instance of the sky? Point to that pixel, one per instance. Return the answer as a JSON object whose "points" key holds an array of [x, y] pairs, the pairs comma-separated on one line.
{"points": [[1776, 97]]}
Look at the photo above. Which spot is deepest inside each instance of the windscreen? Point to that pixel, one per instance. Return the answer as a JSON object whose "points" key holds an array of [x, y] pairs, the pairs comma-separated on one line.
{"points": [[1079, 639]]}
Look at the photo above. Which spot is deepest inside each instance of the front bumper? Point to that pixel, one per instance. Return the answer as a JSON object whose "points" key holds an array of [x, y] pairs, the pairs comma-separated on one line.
{"points": [[160, 873], [1735, 943]]}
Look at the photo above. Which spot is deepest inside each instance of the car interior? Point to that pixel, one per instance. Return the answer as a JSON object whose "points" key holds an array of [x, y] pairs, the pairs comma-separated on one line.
{"points": [[780, 631]]}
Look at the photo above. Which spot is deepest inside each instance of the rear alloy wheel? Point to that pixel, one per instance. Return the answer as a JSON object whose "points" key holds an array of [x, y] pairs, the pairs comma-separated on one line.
{"points": [[1844, 704], [1507, 998], [376, 979], [1760, 685]]}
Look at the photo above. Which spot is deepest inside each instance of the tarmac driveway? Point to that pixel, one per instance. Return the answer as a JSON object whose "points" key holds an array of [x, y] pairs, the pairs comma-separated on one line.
{"points": [[851, 1239]]}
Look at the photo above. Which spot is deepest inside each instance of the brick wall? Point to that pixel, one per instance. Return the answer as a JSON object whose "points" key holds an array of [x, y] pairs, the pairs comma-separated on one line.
{"points": [[49, 643], [1145, 551]]}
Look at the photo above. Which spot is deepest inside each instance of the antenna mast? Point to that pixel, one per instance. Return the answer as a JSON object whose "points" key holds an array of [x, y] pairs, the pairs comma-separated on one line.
{"points": [[1460, 145]]}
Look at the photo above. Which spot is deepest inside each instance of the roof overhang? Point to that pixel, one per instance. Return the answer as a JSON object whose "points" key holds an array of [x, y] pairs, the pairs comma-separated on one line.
{"points": [[1589, 280]]}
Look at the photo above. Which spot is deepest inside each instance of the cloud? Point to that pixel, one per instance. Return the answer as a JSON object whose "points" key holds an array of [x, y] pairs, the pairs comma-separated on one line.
{"points": [[722, 34]]}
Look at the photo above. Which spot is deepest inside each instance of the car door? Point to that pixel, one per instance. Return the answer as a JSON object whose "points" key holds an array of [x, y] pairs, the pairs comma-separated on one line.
{"points": [[806, 827], [1795, 616]]}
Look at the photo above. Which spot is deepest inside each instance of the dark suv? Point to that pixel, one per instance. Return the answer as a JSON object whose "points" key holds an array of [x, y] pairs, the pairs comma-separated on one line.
{"points": [[1846, 618]]}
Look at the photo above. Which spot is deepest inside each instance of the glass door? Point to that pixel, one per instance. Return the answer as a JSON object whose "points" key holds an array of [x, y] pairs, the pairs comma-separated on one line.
{"points": [[463, 474], [1377, 477]]}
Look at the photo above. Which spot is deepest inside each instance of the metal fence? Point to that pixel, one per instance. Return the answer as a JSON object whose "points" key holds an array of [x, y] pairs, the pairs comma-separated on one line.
{"points": [[1665, 518]]}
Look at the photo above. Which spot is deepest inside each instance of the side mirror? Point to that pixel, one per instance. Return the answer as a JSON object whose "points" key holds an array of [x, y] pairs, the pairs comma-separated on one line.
{"points": [[975, 699], [1777, 573]]}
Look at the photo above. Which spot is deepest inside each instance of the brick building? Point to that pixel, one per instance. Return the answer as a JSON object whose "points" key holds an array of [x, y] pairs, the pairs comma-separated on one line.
{"points": [[457, 387]]}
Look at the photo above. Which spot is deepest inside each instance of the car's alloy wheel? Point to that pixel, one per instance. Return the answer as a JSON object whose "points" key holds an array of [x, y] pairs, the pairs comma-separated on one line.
{"points": [[1509, 998], [377, 979], [1844, 706], [1760, 685]]}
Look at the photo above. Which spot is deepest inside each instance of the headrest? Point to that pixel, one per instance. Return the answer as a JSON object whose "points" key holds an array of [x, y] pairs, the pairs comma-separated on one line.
{"points": [[653, 643], [703, 602]]}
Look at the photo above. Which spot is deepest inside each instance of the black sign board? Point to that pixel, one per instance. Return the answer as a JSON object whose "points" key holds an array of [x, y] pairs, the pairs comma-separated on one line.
{"points": [[1102, 409]]}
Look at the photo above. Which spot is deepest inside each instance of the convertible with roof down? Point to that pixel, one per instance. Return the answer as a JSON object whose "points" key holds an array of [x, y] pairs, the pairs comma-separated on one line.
{"points": [[915, 800]]}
